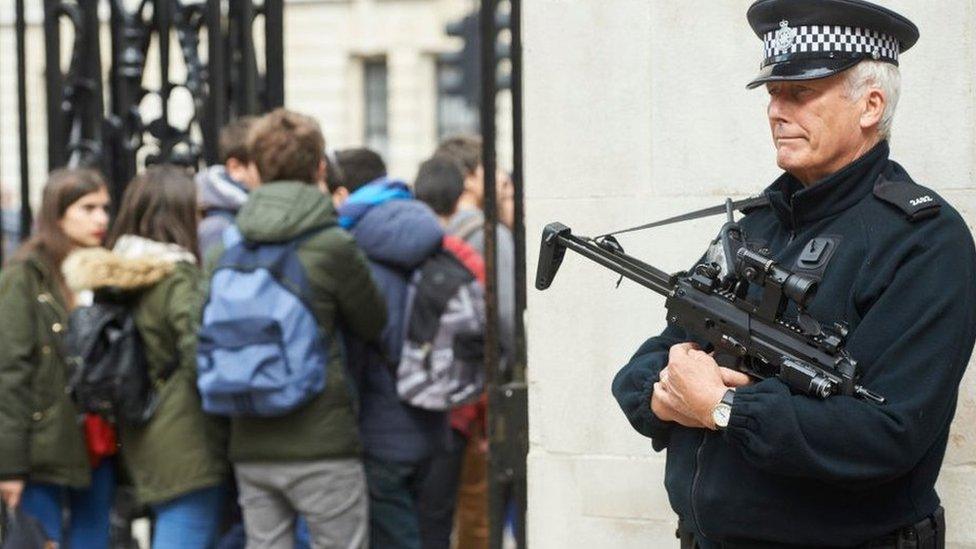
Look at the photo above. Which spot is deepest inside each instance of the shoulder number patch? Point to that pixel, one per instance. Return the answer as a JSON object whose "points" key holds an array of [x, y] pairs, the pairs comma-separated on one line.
{"points": [[915, 201], [920, 200]]}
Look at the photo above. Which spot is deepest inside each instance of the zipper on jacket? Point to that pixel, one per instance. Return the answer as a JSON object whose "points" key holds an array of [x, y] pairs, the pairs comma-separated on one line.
{"points": [[694, 484], [792, 220]]}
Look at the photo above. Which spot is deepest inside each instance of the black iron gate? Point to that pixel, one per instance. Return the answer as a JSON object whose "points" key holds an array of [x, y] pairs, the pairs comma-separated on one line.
{"points": [[508, 426], [98, 120]]}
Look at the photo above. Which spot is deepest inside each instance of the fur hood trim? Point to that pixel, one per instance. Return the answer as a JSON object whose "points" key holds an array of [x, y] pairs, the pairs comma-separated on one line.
{"points": [[94, 268]]}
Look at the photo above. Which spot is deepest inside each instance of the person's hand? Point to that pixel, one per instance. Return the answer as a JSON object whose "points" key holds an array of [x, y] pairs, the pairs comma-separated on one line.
{"points": [[696, 382], [665, 407], [10, 492], [733, 378]]}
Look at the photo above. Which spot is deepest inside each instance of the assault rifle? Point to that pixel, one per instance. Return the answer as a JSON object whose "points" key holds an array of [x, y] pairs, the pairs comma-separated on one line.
{"points": [[711, 304]]}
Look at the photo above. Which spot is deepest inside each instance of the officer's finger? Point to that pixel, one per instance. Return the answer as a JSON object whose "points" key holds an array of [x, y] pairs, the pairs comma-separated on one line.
{"points": [[698, 354], [667, 406], [679, 350], [732, 378], [659, 403]]}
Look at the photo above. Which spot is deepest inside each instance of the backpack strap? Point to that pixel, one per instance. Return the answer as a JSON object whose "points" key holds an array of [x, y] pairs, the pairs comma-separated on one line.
{"points": [[467, 255], [231, 237], [279, 258], [433, 285]]}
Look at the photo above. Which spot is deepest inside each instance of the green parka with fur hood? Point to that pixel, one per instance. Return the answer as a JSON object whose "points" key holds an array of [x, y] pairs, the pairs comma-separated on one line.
{"points": [[180, 449]]}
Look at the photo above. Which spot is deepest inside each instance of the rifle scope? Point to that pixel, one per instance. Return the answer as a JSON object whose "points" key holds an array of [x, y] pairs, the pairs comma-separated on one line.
{"points": [[762, 270]]}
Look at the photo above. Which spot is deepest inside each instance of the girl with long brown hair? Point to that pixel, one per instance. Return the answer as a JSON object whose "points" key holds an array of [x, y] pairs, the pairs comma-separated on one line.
{"points": [[45, 456], [176, 459]]}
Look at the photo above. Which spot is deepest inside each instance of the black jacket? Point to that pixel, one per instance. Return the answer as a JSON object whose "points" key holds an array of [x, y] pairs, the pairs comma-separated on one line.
{"points": [[839, 472]]}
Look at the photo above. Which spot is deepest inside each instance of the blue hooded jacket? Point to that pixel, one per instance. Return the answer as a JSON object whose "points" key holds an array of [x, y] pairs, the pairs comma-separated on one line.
{"points": [[397, 233]]}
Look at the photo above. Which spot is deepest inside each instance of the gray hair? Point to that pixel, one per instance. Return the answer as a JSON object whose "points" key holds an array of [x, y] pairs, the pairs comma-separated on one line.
{"points": [[881, 75]]}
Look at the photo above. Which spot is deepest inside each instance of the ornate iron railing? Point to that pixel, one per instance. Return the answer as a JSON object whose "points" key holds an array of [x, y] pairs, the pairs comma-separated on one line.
{"points": [[103, 122]]}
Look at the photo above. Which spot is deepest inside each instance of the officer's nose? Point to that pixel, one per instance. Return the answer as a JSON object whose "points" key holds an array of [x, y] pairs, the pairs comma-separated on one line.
{"points": [[777, 109]]}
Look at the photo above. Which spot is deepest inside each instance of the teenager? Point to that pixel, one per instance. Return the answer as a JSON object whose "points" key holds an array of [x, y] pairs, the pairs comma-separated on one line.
{"points": [[48, 459]]}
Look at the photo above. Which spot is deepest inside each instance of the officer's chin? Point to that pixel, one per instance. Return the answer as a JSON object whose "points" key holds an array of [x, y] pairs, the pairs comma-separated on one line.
{"points": [[791, 154]]}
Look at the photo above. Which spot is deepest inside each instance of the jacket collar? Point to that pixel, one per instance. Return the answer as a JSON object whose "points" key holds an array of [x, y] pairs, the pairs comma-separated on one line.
{"points": [[796, 206], [283, 210], [370, 195]]}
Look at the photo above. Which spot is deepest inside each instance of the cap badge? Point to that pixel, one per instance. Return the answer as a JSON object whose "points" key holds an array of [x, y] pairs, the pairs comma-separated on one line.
{"points": [[785, 36]]}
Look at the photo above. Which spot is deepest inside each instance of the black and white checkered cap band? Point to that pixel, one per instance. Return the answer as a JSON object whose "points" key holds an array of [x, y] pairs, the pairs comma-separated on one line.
{"points": [[828, 38]]}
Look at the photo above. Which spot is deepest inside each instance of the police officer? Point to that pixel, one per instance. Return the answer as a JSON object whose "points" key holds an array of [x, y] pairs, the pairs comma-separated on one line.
{"points": [[750, 464]]}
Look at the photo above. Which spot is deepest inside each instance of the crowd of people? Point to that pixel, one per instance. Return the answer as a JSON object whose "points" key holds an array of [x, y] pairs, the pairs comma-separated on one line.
{"points": [[351, 461]]}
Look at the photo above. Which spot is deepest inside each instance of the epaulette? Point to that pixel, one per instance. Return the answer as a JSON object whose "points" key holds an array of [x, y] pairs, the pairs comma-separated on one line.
{"points": [[914, 200]]}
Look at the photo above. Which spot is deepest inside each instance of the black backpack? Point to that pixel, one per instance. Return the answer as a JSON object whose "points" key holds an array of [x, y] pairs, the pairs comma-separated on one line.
{"points": [[109, 372], [442, 358]]}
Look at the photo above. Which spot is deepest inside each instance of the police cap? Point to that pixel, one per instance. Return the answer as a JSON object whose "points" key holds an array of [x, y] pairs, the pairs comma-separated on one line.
{"points": [[810, 39]]}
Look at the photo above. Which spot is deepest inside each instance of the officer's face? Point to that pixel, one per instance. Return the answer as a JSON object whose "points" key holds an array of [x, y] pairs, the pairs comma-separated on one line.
{"points": [[817, 129]]}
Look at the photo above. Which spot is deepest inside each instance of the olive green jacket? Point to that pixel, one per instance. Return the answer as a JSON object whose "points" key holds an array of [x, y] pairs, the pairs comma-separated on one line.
{"points": [[343, 295], [180, 449], [41, 433]]}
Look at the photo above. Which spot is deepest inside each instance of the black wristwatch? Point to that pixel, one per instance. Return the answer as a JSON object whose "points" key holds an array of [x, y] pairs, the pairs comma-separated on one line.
{"points": [[723, 410]]}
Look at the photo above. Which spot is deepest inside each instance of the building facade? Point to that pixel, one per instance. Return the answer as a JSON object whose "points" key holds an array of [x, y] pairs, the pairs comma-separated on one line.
{"points": [[368, 70]]}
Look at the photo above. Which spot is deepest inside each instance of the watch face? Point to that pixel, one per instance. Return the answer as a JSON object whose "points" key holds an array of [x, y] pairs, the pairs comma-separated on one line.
{"points": [[721, 414]]}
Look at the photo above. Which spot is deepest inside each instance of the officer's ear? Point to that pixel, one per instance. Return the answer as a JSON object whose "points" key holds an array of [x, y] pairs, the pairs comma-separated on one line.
{"points": [[874, 102]]}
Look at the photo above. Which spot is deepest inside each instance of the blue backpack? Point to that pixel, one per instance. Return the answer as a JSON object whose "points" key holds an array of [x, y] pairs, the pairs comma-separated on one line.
{"points": [[261, 351]]}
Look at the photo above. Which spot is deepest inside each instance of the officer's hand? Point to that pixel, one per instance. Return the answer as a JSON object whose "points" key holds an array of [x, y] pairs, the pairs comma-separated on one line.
{"points": [[664, 407], [734, 378], [10, 492], [695, 380]]}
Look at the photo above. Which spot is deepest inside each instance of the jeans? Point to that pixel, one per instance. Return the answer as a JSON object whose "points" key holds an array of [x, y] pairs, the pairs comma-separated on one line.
{"points": [[438, 494], [190, 521], [394, 490], [88, 509]]}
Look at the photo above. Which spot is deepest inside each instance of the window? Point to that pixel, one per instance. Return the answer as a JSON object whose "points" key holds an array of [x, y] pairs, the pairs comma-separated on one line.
{"points": [[376, 93]]}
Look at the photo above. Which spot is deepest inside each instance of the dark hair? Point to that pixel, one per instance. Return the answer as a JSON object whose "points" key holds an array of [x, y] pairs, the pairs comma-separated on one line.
{"points": [[64, 187], [359, 167], [334, 176], [233, 139], [439, 184], [464, 149], [287, 146], [159, 204]]}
